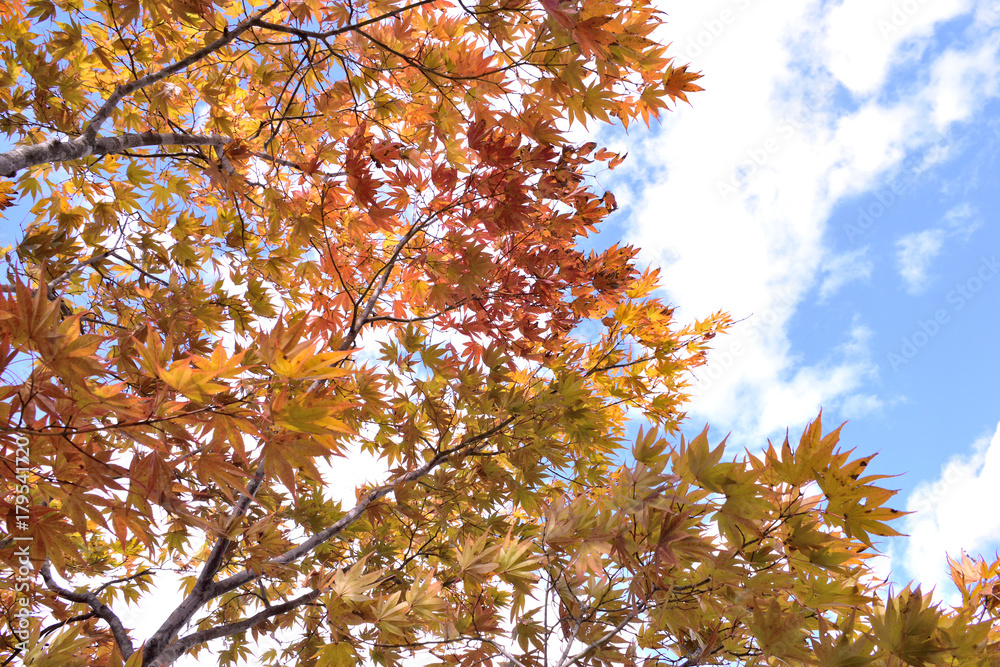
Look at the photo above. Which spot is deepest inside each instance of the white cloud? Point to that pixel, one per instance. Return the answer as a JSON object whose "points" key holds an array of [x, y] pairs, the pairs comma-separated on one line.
{"points": [[914, 256], [865, 38], [343, 476], [962, 220], [844, 268], [917, 251], [987, 14], [732, 199], [856, 406], [953, 513], [961, 81], [798, 398]]}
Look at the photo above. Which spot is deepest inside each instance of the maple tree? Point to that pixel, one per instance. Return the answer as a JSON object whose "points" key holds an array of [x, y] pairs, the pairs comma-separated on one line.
{"points": [[265, 239]]}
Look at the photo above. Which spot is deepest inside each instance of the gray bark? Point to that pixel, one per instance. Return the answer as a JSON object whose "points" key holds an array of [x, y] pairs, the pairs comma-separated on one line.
{"points": [[55, 150]]}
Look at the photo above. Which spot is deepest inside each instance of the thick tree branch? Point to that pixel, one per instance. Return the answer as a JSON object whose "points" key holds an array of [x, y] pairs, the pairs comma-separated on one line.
{"points": [[198, 596], [101, 610], [179, 647], [214, 560], [55, 150]]}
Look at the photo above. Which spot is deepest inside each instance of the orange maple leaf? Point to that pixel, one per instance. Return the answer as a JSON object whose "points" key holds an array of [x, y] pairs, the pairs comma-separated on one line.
{"points": [[558, 10], [678, 82], [11, 9]]}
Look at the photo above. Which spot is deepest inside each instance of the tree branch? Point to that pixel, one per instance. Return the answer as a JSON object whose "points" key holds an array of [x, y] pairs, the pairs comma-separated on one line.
{"points": [[160, 644], [292, 555], [420, 318], [199, 594], [214, 560], [90, 131], [53, 284], [55, 150], [311, 34], [358, 322], [293, 165], [101, 610], [179, 647], [49, 629], [140, 269], [504, 652], [611, 634]]}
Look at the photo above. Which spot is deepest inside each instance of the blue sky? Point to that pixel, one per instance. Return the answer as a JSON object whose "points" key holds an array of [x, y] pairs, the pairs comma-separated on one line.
{"points": [[836, 189]]}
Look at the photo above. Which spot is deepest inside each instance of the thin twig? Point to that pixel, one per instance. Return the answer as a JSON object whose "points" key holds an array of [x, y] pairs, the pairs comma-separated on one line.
{"points": [[141, 270], [311, 34], [72, 619]]}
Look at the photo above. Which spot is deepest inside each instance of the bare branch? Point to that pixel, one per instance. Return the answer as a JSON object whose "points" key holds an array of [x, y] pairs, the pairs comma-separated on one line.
{"points": [[67, 430], [122, 580], [214, 560], [421, 318], [101, 610], [55, 150], [49, 629], [293, 165], [140, 269], [573, 635], [65, 276], [504, 652], [359, 322]]}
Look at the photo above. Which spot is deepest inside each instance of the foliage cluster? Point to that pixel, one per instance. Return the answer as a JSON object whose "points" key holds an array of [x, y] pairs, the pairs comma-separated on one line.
{"points": [[266, 238]]}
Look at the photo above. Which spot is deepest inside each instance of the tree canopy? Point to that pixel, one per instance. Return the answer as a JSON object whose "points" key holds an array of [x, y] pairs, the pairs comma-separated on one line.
{"points": [[265, 239]]}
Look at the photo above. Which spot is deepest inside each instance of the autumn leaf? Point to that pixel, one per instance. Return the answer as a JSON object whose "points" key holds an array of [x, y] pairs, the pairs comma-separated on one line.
{"points": [[678, 82]]}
